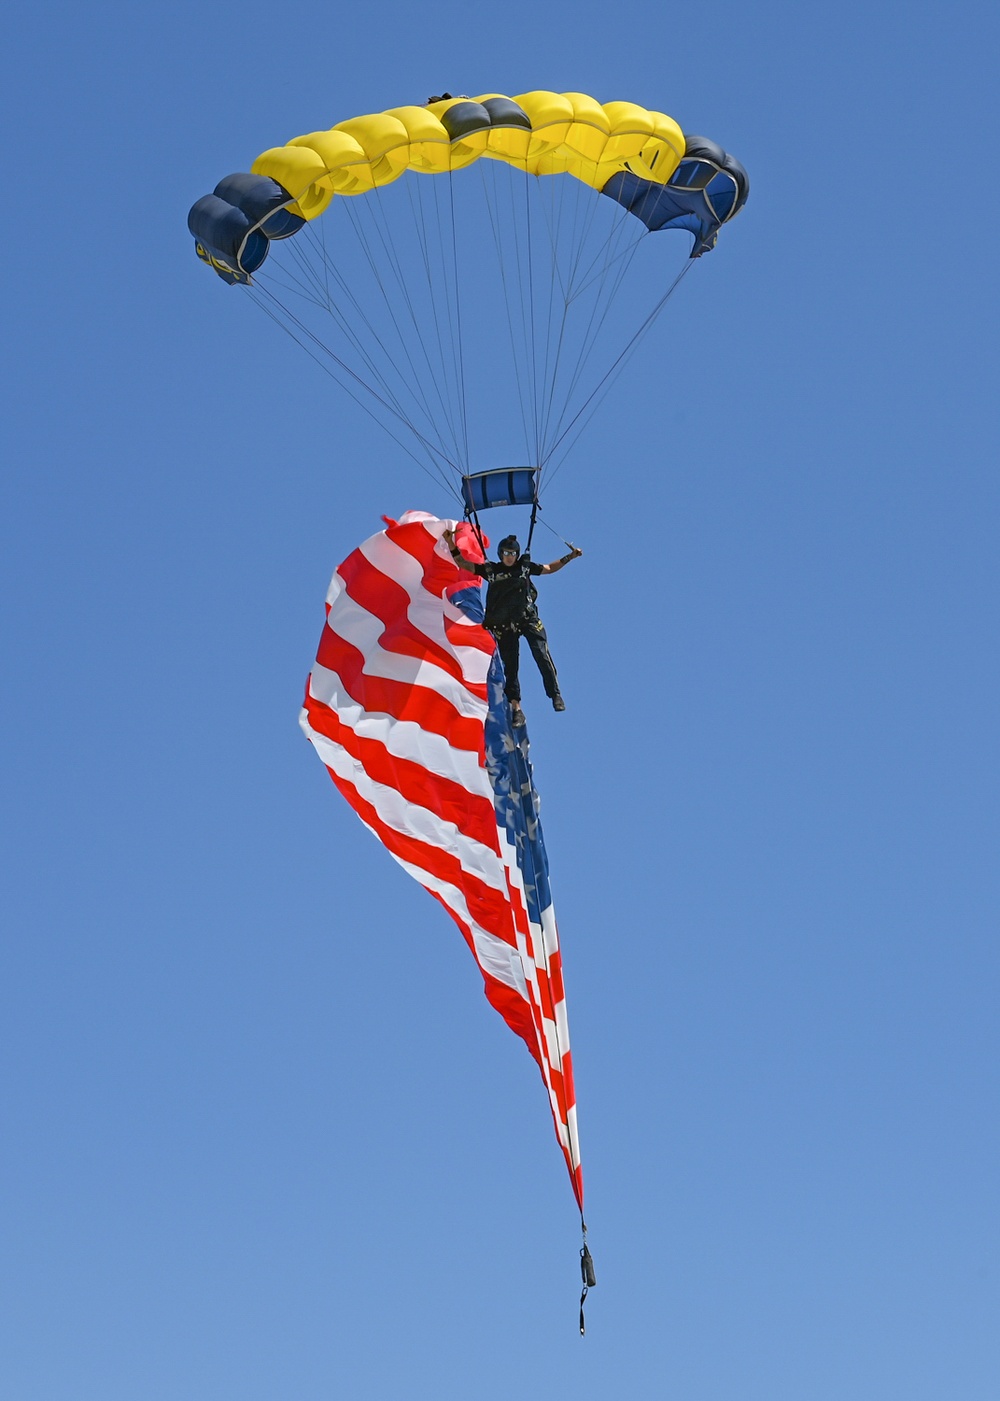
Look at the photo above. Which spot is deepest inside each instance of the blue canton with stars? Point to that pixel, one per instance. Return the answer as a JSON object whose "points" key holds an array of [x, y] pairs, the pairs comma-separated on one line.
{"points": [[509, 768]]}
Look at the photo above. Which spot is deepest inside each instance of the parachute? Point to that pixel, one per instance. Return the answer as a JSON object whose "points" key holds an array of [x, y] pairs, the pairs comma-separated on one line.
{"points": [[437, 303]]}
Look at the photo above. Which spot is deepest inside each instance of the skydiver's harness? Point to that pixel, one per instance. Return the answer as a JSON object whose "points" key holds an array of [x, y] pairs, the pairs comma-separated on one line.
{"points": [[512, 596], [508, 486]]}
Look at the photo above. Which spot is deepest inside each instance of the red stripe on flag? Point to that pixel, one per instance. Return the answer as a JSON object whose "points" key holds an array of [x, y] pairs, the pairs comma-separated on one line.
{"points": [[487, 906], [515, 1012], [472, 815], [400, 699], [389, 601], [441, 576]]}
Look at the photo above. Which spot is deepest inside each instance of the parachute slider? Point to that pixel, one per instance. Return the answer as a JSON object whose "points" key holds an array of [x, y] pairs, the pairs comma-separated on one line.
{"points": [[501, 486]]}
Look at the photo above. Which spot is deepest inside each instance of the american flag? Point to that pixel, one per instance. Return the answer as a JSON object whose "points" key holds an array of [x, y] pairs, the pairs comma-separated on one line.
{"points": [[405, 707]]}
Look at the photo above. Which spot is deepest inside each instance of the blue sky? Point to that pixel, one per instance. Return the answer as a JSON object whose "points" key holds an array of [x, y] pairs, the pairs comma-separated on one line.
{"points": [[263, 1136]]}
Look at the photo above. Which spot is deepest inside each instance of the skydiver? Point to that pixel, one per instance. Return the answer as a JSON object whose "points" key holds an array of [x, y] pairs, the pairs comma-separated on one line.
{"points": [[511, 614]]}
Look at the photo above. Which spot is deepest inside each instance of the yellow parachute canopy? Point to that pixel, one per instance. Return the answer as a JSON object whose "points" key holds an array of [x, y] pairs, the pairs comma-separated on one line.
{"points": [[542, 133], [399, 297]]}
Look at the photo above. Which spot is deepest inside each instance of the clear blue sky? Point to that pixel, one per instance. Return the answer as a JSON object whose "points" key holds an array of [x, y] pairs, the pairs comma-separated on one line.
{"points": [[263, 1138]]}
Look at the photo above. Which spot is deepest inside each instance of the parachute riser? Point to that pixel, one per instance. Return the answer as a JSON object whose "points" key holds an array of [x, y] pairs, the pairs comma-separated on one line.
{"points": [[531, 527], [473, 520]]}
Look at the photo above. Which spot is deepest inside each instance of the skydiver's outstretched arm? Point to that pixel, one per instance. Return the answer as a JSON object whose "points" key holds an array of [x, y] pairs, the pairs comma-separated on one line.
{"points": [[456, 553], [558, 564]]}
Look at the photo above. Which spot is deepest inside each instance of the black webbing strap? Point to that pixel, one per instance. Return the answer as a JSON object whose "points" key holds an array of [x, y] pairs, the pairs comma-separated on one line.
{"points": [[531, 527], [589, 1279], [472, 517]]}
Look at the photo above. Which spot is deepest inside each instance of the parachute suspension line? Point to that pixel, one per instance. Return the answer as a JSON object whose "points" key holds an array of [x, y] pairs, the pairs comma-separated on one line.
{"points": [[429, 408], [286, 320], [552, 377], [458, 325], [447, 384], [581, 219], [258, 294], [568, 543], [551, 363], [389, 402], [536, 457], [357, 210], [434, 471], [375, 211], [306, 285], [326, 261], [607, 292], [556, 242], [530, 332], [493, 209], [521, 241], [600, 390], [577, 238], [346, 324], [608, 288], [447, 260], [600, 261], [416, 185], [583, 246], [587, 1273]]}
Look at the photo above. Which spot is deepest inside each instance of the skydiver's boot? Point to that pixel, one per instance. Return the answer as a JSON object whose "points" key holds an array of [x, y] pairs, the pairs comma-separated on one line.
{"points": [[517, 716], [557, 702]]}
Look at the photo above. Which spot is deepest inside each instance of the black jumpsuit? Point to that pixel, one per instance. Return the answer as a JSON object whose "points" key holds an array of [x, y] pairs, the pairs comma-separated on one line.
{"points": [[510, 615]]}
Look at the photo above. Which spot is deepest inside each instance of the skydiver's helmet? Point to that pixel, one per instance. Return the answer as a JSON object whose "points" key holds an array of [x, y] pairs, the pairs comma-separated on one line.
{"points": [[509, 542]]}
